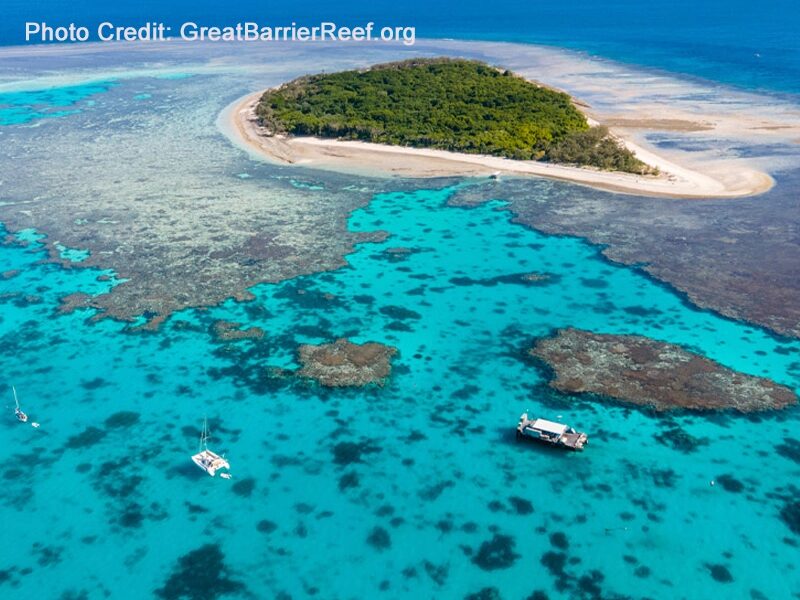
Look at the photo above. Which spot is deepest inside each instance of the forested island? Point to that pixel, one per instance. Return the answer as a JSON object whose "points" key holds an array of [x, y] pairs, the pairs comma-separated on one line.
{"points": [[446, 104]]}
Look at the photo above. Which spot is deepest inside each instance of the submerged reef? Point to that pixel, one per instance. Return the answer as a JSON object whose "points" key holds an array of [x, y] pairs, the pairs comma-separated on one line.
{"points": [[739, 258], [175, 238], [343, 363], [229, 331], [199, 575], [647, 372]]}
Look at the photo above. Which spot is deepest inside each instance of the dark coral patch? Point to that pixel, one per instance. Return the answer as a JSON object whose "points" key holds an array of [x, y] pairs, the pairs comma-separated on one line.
{"points": [[790, 449], [85, 439], [94, 384], [349, 480], [641, 311], [12, 473], [131, 516], [594, 283], [114, 480], [244, 487], [589, 585], [444, 525], [496, 506], [720, 573], [301, 530], [497, 553], [664, 478], [308, 297], [466, 392], [200, 575], [74, 595], [554, 562], [678, 439], [521, 506], [642, 572], [124, 418], [487, 593], [790, 514], [399, 313], [266, 526], [432, 492], [47, 555], [559, 540], [527, 279], [195, 509], [379, 538], [730, 484], [345, 453], [303, 508], [438, 573]]}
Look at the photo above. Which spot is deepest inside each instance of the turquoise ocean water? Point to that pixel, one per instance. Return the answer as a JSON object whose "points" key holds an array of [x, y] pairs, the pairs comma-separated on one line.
{"points": [[394, 491], [413, 490]]}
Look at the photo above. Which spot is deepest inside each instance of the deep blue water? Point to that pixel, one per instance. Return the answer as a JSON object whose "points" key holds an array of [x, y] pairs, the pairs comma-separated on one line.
{"points": [[749, 44]]}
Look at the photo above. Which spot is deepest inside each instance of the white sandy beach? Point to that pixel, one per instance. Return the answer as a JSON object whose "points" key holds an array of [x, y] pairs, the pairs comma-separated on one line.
{"points": [[725, 180]]}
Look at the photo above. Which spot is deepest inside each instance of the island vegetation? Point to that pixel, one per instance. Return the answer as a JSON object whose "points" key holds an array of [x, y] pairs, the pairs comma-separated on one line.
{"points": [[447, 104]]}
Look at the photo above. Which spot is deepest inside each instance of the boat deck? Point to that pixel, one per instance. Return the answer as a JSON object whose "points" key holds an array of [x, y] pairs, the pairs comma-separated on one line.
{"points": [[550, 432], [574, 441]]}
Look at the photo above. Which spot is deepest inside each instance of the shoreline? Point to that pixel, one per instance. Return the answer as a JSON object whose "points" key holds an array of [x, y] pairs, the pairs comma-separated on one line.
{"points": [[239, 122]]}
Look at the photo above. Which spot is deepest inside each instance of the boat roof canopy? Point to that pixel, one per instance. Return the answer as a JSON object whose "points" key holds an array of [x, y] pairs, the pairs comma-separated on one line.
{"points": [[549, 426]]}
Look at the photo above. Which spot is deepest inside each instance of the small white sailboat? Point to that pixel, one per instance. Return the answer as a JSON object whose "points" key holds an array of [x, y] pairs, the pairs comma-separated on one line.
{"points": [[207, 460], [21, 416]]}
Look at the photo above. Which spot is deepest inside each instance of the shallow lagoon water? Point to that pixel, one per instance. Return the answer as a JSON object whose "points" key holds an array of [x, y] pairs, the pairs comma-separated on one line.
{"points": [[23, 107], [415, 489], [103, 496]]}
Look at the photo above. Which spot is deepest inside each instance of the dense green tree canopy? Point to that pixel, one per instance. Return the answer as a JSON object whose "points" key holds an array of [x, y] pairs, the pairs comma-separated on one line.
{"points": [[449, 104]]}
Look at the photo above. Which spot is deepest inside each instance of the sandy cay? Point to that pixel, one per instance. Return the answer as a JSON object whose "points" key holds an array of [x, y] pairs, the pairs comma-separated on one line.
{"points": [[678, 181]]}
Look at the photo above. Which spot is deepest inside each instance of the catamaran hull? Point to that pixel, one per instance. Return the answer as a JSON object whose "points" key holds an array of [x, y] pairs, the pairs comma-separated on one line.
{"points": [[210, 462], [210, 470]]}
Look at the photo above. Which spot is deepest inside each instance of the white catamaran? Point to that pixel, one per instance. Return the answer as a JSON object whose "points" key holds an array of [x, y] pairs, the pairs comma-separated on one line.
{"points": [[21, 416], [207, 460]]}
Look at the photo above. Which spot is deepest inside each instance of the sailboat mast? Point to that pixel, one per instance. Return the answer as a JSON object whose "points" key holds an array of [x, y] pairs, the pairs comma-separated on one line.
{"points": [[204, 435]]}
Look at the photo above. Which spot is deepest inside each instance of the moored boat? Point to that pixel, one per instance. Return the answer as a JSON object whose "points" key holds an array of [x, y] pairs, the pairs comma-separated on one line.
{"points": [[209, 461], [551, 432], [21, 416]]}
